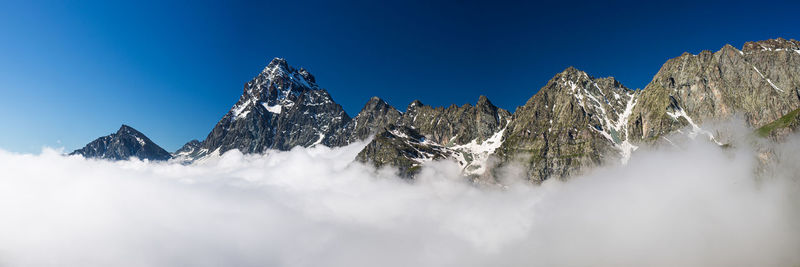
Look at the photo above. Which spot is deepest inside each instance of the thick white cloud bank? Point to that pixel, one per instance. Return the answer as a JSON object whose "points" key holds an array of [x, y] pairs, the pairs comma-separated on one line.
{"points": [[693, 206]]}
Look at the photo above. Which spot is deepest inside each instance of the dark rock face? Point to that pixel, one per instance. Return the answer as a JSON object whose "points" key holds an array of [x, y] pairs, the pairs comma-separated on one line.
{"points": [[375, 115], [279, 109], [124, 144]]}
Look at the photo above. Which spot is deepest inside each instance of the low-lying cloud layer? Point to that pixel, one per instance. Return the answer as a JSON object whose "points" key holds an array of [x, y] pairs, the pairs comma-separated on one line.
{"points": [[697, 205]]}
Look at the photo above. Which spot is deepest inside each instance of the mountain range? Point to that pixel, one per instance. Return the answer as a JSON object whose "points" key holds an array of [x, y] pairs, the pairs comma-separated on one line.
{"points": [[573, 123]]}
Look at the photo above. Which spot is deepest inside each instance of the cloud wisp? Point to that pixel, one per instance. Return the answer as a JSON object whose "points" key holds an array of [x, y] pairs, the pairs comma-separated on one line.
{"points": [[697, 205]]}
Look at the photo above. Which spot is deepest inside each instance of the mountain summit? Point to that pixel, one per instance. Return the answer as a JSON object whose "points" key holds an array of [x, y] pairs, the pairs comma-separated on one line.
{"points": [[282, 107], [124, 144]]}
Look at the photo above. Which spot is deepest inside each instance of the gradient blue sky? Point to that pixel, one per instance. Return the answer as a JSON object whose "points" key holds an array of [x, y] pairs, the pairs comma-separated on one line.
{"points": [[71, 72]]}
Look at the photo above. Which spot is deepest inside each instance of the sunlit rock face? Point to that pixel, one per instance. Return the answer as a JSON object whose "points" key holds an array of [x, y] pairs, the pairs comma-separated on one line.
{"points": [[760, 82], [575, 121]]}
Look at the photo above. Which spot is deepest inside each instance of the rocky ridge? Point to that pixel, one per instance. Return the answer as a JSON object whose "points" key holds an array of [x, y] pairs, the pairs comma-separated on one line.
{"points": [[573, 123]]}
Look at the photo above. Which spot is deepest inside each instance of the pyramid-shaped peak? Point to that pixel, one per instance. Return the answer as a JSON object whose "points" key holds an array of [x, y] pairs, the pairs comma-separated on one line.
{"points": [[483, 100], [128, 130], [376, 103], [278, 62], [376, 99], [573, 72], [279, 70], [125, 143], [278, 65]]}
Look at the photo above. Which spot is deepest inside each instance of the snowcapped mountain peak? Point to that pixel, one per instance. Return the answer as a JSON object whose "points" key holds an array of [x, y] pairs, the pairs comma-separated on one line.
{"points": [[282, 107], [277, 88], [280, 72], [276, 64], [126, 130]]}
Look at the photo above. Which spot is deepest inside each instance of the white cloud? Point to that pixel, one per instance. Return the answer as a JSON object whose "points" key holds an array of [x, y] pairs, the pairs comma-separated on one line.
{"points": [[691, 206]]}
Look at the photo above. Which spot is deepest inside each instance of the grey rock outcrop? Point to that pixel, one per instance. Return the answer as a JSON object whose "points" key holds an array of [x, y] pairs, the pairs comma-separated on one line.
{"points": [[575, 121], [760, 82]]}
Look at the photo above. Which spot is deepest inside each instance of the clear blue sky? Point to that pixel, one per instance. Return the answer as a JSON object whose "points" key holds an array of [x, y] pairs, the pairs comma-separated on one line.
{"points": [[70, 73]]}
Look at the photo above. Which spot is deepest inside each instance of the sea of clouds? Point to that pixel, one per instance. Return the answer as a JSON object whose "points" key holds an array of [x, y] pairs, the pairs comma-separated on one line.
{"points": [[693, 204]]}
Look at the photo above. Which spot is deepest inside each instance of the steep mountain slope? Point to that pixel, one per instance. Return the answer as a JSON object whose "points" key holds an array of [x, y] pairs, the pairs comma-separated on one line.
{"points": [[760, 82], [124, 144], [467, 134], [573, 122], [782, 126], [281, 108]]}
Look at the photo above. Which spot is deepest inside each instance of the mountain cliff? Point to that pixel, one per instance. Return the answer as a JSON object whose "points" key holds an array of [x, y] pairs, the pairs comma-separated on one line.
{"points": [[760, 82], [574, 121]]}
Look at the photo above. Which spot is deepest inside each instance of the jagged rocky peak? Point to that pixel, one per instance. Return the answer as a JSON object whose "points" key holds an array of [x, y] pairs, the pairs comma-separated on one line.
{"points": [[777, 44], [376, 103], [373, 117], [467, 134], [573, 122], [455, 125], [282, 107], [127, 142], [278, 85], [484, 101], [278, 68]]}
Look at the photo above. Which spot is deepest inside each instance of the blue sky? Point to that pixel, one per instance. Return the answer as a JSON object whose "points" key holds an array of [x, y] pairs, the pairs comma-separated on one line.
{"points": [[71, 72]]}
